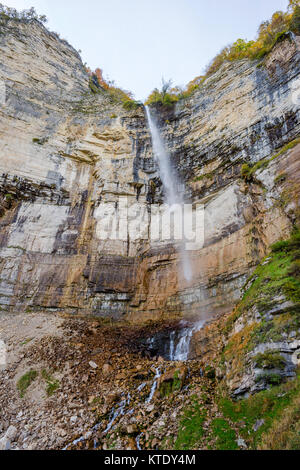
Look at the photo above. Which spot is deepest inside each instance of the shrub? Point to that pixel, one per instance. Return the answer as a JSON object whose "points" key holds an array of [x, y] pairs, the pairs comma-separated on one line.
{"points": [[295, 20], [8, 13], [269, 360], [269, 33], [269, 379]]}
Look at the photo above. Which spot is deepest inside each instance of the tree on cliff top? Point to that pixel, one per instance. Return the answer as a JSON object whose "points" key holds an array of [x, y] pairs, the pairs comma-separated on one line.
{"points": [[24, 15]]}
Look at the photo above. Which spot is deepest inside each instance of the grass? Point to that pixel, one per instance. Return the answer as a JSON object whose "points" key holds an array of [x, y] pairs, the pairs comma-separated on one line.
{"points": [[25, 381], [191, 429], [26, 341], [271, 406], [276, 277], [225, 436], [52, 384]]}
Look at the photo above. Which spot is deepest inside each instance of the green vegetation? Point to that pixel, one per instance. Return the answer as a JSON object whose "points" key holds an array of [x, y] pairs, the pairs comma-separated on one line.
{"points": [[268, 407], [248, 171], [97, 84], [276, 275], [269, 33], [168, 387], [7, 13], [225, 436], [25, 381], [40, 141], [52, 384], [269, 360], [275, 282], [26, 341], [269, 378], [191, 429]]}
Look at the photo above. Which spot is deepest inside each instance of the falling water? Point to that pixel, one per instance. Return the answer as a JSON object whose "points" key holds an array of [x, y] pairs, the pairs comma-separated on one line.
{"points": [[170, 183], [154, 386], [182, 349]]}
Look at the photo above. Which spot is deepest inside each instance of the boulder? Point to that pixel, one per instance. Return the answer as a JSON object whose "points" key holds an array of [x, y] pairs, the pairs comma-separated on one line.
{"points": [[171, 381]]}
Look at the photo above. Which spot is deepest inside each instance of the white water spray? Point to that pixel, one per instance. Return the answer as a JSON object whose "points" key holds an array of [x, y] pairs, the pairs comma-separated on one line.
{"points": [[173, 197], [182, 349]]}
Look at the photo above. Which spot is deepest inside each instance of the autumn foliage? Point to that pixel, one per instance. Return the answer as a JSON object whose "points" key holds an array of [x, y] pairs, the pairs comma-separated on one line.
{"points": [[269, 33], [97, 84]]}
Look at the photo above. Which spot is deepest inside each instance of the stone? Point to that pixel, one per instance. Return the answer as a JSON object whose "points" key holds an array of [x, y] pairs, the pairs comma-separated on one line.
{"points": [[241, 443], [11, 433], [132, 429], [5, 443], [106, 369], [259, 423], [93, 365]]}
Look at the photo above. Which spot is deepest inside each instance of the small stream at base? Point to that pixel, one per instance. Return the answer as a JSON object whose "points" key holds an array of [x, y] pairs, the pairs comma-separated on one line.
{"points": [[176, 348]]}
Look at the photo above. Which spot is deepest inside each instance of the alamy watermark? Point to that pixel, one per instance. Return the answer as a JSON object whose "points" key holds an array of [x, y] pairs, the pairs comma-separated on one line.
{"points": [[159, 223]]}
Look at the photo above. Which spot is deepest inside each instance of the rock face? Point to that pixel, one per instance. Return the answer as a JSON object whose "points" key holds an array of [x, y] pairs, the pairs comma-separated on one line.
{"points": [[70, 158]]}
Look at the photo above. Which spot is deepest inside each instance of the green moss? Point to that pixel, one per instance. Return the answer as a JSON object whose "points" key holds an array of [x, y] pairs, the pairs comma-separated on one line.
{"points": [[171, 386], [280, 178], [25, 381], [248, 171], [225, 436], [210, 372], [286, 147], [191, 430]]}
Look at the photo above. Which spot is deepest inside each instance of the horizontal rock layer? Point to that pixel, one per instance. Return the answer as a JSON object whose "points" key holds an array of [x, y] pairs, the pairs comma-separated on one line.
{"points": [[67, 156]]}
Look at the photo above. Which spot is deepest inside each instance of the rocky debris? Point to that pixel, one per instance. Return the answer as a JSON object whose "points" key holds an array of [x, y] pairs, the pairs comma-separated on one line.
{"points": [[8, 437]]}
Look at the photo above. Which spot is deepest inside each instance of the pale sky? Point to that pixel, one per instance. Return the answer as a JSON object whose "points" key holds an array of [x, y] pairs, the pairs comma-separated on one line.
{"points": [[137, 42]]}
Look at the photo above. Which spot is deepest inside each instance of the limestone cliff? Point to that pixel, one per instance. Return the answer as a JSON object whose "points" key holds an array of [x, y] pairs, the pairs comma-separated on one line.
{"points": [[67, 154]]}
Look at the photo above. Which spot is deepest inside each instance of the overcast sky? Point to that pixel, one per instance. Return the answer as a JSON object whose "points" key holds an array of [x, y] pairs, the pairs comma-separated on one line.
{"points": [[136, 42]]}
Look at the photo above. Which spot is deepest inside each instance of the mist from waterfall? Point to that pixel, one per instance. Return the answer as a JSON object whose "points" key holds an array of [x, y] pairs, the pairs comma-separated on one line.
{"points": [[169, 178]]}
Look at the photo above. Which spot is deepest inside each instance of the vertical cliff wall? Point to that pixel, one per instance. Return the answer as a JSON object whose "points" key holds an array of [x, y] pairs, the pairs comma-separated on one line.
{"points": [[67, 155]]}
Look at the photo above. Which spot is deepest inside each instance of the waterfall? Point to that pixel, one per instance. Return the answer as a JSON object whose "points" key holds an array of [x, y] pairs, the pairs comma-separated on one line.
{"points": [[182, 349], [169, 178]]}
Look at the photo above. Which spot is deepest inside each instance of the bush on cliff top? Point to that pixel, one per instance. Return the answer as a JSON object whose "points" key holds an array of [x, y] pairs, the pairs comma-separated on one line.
{"points": [[97, 83], [269, 33], [24, 15]]}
